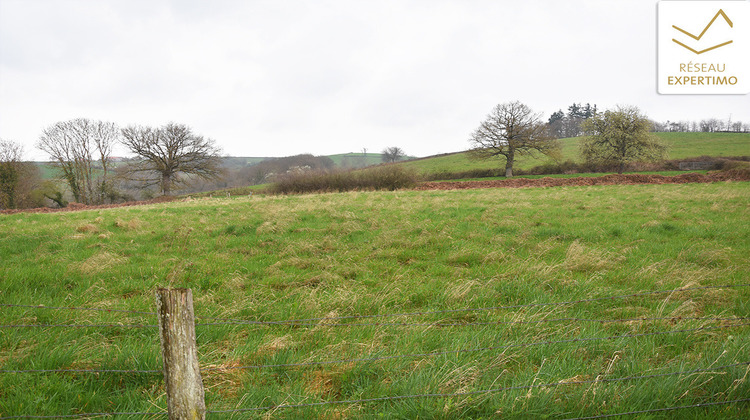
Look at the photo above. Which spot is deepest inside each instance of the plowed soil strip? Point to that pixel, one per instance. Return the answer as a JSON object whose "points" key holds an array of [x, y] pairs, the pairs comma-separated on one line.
{"points": [[614, 179]]}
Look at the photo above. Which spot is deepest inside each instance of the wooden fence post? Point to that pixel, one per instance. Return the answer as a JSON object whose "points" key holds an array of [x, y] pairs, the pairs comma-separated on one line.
{"points": [[185, 396]]}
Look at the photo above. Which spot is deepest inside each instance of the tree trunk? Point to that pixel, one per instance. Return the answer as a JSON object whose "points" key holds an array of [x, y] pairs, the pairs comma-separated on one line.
{"points": [[166, 183], [509, 164]]}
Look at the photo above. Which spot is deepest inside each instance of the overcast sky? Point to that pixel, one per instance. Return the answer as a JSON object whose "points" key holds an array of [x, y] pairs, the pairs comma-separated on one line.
{"points": [[283, 77]]}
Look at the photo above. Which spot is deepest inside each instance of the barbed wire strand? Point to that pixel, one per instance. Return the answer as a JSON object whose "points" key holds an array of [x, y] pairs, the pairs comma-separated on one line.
{"points": [[489, 308], [456, 394], [468, 324], [63, 416], [379, 358], [476, 349], [403, 324], [486, 391], [530, 305], [79, 326], [78, 371], [656, 410], [76, 308]]}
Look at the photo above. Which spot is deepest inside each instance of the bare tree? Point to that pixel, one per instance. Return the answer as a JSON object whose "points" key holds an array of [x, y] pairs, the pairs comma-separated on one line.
{"points": [[166, 152], [392, 154], [620, 136], [512, 129], [10, 172], [81, 148]]}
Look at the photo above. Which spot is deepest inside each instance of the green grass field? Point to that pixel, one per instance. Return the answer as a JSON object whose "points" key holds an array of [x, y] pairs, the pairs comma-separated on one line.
{"points": [[682, 146], [327, 256], [356, 160]]}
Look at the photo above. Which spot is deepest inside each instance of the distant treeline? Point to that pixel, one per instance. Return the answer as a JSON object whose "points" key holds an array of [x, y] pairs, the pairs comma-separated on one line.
{"points": [[569, 124], [711, 125]]}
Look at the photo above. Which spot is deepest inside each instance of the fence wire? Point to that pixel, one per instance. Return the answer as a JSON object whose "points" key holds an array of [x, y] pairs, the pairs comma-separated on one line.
{"points": [[476, 349], [485, 391], [488, 308], [307, 320], [79, 326], [440, 395], [439, 324], [404, 324], [75, 308], [380, 358], [656, 410], [83, 415], [78, 371], [316, 322]]}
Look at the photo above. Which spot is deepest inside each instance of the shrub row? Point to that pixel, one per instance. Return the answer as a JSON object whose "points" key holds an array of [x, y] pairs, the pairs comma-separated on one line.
{"points": [[392, 177], [384, 177], [570, 167]]}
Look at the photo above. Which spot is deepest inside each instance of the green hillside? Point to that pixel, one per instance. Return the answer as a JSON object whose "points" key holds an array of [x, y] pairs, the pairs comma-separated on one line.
{"points": [[682, 146], [356, 160], [687, 145]]}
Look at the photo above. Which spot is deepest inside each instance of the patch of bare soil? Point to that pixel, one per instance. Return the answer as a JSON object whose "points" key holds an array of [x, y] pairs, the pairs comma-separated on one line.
{"points": [[79, 206], [614, 179]]}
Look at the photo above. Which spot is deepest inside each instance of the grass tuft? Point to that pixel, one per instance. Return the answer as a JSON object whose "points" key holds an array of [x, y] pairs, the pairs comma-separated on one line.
{"points": [[100, 262], [580, 258]]}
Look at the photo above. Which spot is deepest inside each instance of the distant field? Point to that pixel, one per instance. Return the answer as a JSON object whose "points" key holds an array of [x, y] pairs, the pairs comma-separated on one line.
{"points": [[46, 170], [356, 160], [400, 256], [683, 145], [686, 145], [234, 161]]}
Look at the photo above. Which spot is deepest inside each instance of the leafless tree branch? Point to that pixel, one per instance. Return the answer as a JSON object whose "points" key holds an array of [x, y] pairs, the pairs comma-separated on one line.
{"points": [[512, 129], [72, 145], [165, 153]]}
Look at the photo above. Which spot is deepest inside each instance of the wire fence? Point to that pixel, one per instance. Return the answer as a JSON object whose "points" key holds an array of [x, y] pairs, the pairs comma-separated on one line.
{"points": [[399, 356], [724, 323], [409, 324], [307, 321], [478, 392]]}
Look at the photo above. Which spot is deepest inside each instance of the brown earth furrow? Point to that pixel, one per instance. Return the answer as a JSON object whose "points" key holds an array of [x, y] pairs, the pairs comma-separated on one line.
{"points": [[613, 179]]}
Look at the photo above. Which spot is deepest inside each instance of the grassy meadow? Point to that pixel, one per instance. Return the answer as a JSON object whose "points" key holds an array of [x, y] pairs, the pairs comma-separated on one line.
{"points": [[325, 258]]}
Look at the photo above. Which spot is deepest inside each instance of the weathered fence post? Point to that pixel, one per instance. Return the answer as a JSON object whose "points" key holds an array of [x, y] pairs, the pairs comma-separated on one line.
{"points": [[185, 397]]}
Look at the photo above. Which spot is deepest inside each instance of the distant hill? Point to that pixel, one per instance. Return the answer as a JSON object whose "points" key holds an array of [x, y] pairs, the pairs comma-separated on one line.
{"points": [[346, 160], [240, 161], [351, 160], [683, 145], [356, 160], [342, 160]]}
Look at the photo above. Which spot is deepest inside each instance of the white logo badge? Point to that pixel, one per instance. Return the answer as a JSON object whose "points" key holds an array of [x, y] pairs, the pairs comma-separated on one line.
{"points": [[703, 47]]}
